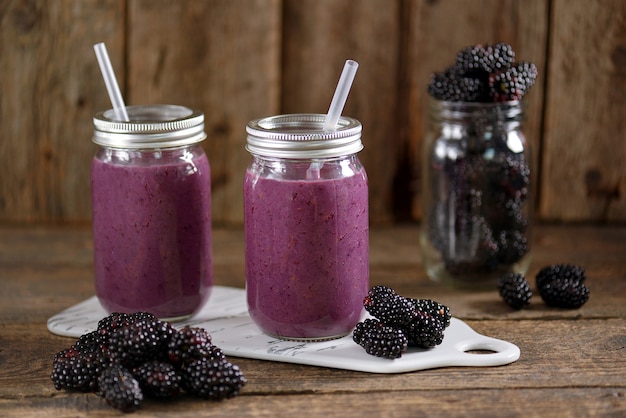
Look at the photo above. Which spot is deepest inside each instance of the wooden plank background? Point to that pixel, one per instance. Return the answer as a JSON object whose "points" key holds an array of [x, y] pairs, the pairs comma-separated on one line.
{"points": [[237, 60]]}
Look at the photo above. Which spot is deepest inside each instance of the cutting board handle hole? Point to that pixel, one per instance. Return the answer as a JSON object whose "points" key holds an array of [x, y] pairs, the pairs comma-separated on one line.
{"points": [[480, 352]]}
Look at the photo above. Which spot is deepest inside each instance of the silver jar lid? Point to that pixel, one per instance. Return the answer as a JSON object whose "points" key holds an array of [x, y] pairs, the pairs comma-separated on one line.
{"points": [[152, 126], [302, 136]]}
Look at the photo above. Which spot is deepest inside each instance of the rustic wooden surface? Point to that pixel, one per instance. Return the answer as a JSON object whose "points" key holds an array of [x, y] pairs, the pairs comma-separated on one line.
{"points": [[246, 59], [571, 365]]}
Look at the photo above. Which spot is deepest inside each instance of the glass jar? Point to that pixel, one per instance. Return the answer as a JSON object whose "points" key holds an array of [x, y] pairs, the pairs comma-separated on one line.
{"points": [[476, 198], [151, 201], [306, 227]]}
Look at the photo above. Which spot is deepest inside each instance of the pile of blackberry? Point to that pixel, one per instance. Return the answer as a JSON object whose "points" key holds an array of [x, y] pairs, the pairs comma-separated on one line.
{"points": [[484, 73], [399, 323], [480, 223], [130, 356], [559, 285]]}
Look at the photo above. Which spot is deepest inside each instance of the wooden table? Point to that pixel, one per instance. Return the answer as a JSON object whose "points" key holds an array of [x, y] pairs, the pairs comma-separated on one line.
{"points": [[573, 362]]}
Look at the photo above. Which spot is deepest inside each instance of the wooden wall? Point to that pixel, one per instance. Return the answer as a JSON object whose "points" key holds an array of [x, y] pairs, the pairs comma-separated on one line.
{"points": [[241, 59]]}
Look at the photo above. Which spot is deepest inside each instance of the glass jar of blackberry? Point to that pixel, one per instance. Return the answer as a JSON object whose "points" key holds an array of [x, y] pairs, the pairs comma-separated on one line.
{"points": [[477, 196], [477, 199]]}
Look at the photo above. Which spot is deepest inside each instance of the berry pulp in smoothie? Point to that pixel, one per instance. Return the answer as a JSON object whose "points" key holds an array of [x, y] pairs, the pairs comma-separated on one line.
{"points": [[307, 254], [152, 231]]}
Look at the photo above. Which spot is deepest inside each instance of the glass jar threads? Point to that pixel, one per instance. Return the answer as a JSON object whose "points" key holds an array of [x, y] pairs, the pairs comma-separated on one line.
{"points": [[477, 192]]}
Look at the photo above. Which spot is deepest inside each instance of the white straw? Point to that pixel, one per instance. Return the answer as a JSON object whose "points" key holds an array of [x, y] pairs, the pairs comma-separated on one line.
{"points": [[341, 94], [109, 79]]}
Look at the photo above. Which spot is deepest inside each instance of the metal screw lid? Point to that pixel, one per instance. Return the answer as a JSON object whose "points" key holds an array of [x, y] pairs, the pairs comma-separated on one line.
{"points": [[153, 126], [302, 136]]}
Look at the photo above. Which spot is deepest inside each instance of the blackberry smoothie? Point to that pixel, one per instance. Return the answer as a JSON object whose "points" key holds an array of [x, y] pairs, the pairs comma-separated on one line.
{"points": [[307, 249], [152, 230]]}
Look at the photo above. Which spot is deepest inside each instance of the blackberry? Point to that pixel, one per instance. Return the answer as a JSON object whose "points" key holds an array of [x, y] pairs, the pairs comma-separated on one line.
{"points": [[451, 85], [475, 248], [89, 342], [386, 305], [158, 379], [139, 342], [110, 323], [117, 320], [527, 73], [563, 286], [498, 56], [212, 379], [140, 316], [513, 246], [481, 59], [120, 389], [515, 290], [517, 175], [113, 321], [434, 309], [507, 213], [512, 83], [470, 60], [486, 247], [565, 293], [75, 370], [190, 343], [379, 339], [425, 331], [552, 272], [509, 173]]}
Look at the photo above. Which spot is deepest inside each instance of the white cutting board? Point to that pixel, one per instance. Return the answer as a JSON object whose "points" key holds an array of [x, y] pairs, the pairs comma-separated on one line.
{"points": [[226, 317]]}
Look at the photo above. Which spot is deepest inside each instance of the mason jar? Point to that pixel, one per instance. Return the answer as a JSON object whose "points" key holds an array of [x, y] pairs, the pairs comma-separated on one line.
{"points": [[476, 193], [306, 227], [151, 201]]}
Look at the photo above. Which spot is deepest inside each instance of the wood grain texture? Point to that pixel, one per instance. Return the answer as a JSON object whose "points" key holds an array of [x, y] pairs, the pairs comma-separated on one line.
{"points": [[583, 174], [318, 37], [567, 403], [571, 361], [221, 57], [239, 60], [50, 85]]}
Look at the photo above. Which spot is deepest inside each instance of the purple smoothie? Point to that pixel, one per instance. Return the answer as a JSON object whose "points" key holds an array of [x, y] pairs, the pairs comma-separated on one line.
{"points": [[307, 255], [152, 231]]}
